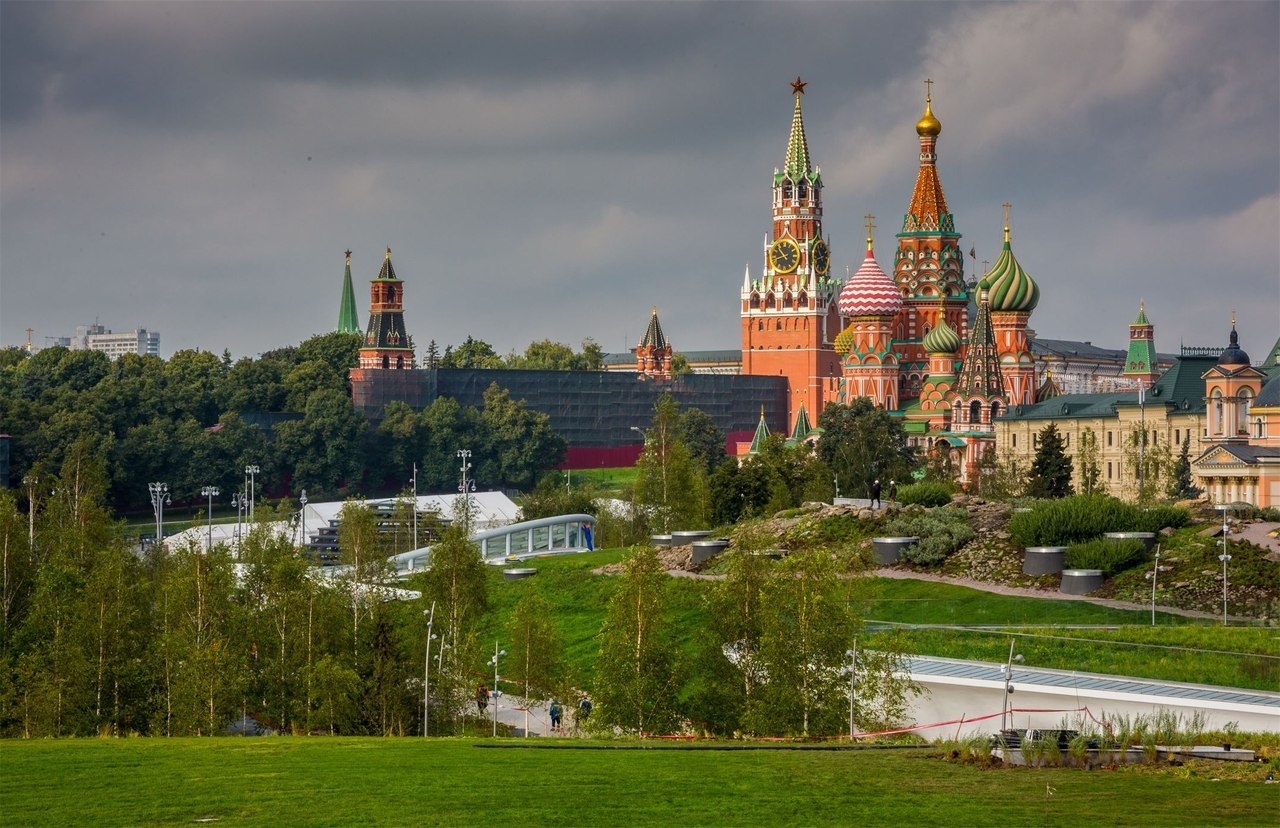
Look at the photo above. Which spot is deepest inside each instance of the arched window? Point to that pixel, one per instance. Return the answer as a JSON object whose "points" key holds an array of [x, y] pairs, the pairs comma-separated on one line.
{"points": [[975, 412], [1246, 397], [802, 191], [786, 191], [1218, 425], [1259, 427], [995, 411], [400, 361], [386, 361]]}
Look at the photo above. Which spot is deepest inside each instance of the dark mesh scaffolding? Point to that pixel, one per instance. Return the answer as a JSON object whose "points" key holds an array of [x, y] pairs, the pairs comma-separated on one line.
{"points": [[590, 409]]}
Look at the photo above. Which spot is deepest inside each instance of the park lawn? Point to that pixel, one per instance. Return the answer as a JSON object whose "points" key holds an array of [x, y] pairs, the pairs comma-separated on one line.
{"points": [[365, 780], [611, 482], [578, 599]]}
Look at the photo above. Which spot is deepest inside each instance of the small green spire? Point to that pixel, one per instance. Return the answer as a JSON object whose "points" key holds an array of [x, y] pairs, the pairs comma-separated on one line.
{"points": [[803, 429], [797, 165], [762, 433], [348, 319]]}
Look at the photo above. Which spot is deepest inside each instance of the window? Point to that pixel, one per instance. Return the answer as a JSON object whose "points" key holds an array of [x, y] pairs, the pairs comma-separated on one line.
{"points": [[786, 191], [1015, 440], [1218, 425], [995, 411], [386, 362], [400, 361], [975, 412], [1109, 443], [1177, 436], [1246, 395], [1259, 427], [802, 191], [1108, 470]]}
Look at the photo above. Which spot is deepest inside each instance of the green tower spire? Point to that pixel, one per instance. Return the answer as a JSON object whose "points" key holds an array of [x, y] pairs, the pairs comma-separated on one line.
{"points": [[348, 319], [797, 163], [1141, 360], [762, 433]]}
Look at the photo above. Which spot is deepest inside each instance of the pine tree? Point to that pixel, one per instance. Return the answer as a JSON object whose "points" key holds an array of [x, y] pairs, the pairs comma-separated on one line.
{"points": [[433, 355], [1182, 485], [1051, 470]]}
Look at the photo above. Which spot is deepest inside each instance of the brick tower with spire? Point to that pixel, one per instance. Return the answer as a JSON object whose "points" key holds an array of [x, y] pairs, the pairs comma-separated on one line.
{"points": [[348, 317], [978, 396], [1140, 363], [653, 354], [386, 343], [928, 266], [1012, 296], [789, 314], [870, 300]]}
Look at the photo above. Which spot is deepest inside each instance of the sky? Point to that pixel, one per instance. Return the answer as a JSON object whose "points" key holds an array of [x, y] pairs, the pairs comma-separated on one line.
{"points": [[551, 170]]}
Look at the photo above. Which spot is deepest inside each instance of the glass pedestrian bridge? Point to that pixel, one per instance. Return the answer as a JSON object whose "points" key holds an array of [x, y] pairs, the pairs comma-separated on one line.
{"points": [[560, 535]]}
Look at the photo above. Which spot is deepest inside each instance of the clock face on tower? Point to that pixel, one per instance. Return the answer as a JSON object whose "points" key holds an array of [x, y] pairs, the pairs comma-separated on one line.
{"points": [[821, 257], [784, 255]]}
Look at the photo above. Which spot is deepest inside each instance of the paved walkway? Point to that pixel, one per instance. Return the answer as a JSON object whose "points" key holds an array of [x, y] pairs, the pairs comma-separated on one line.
{"points": [[511, 712], [1257, 533]]}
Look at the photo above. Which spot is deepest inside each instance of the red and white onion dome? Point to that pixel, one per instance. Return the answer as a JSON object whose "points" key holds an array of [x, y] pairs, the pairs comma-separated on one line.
{"points": [[870, 292]]}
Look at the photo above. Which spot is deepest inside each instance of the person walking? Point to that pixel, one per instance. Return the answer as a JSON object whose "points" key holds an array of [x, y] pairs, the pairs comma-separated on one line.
{"points": [[584, 710], [875, 495], [893, 491], [556, 713], [482, 697]]}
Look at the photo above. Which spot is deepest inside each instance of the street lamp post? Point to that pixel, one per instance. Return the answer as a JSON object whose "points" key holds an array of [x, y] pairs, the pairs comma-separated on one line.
{"points": [[426, 670], [853, 673], [465, 456], [1006, 706], [494, 694], [252, 471], [210, 492], [238, 501], [1153, 576], [302, 519], [1224, 557], [415, 505], [159, 497]]}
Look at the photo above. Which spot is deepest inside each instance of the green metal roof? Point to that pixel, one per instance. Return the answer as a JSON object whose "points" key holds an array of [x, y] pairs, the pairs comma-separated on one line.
{"points": [[348, 317]]}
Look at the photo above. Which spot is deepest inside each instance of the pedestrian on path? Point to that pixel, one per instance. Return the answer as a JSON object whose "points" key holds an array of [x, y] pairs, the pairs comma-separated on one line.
{"points": [[875, 495], [584, 709], [482, 697], [556, 713]]}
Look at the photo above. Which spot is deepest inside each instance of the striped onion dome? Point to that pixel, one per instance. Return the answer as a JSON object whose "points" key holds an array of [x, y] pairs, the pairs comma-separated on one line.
{"points": [[870, 292], [1008, 286], [942, 339]]}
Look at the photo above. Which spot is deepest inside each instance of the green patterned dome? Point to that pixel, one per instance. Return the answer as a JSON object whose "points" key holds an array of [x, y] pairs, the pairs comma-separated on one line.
{"points": [[942, 339], [843, 340], [1009, 288]]}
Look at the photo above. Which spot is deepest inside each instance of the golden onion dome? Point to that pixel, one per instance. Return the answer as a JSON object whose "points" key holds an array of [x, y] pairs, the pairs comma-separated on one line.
{"points": [[928, 125]]}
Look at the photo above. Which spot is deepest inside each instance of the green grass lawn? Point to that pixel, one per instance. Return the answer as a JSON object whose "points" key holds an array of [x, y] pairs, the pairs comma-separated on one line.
{"points": [[358, 781], [611, 482], [578, 600]]}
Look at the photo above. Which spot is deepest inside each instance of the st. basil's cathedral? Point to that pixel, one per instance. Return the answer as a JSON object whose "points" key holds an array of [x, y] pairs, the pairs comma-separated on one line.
{"points": [[910, 342]]}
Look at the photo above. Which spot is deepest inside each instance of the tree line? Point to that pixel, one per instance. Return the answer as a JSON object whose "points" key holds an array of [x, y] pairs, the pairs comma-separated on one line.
{"points": [[197, 420]]}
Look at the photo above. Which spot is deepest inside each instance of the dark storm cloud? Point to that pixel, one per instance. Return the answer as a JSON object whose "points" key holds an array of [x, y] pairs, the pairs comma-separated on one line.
{"points": [[553, 169]]}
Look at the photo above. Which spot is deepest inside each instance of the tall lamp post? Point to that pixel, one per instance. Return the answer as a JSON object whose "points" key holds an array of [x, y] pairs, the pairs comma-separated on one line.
{"points": [[1006, 709], [302, 520], [159, 497], [494, 694], [426, 670], [415, 505], [1153, 576], [210, 492], [1224, 557], [465, 456], [252, 471]]}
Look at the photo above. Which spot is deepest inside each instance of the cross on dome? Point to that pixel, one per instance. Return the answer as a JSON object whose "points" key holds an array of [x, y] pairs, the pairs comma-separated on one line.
{"points": [[871, 226]]}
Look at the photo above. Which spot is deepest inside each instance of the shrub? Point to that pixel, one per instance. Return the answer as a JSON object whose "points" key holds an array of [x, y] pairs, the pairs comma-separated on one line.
{"points": [[1075, 519], [941, 531], [1111, 556], [926, 493]]}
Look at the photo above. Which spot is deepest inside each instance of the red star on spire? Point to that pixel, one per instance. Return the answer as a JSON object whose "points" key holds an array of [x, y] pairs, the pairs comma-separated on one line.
{"points": [[797, 86]]}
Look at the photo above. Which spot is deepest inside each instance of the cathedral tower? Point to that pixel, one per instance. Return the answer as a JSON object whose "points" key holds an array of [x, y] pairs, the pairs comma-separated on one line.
{"points": [[928, 266], [386, 344], [1013, 295], [871, 300], [789, 313]]}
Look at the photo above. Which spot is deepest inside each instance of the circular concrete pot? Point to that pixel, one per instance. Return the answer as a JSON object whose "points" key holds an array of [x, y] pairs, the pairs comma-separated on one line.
{"points": [[1148, 538], [888, 550], [517, 574], [689, 536], [1043, 560], [660, 540], [1080, 581], [704, 550]]}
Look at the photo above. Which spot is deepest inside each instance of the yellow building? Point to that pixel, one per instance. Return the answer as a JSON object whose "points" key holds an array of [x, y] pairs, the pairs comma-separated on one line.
{"points": [[1241, 461], [1170, 412]]}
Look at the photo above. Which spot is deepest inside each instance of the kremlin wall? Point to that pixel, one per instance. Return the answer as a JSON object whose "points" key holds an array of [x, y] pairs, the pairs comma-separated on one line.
{"points": [[954, 358]]}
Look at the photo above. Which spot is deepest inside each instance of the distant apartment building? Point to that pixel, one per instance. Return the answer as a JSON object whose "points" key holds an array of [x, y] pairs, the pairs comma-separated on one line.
{"points": [[112, 343]]}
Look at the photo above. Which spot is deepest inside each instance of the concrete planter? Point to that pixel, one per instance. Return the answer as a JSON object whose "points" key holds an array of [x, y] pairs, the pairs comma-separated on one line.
{"points": [[660, 540], [705, 550], [517, 574], [687, 537], [888, 550], [1080, 581], [1043, 560], [1148, 538]]}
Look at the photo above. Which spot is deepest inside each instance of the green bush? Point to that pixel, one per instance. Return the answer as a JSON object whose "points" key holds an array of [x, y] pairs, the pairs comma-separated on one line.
{"points": [[1080, 518], [1111, 556], [941, 531], [926, 493]]}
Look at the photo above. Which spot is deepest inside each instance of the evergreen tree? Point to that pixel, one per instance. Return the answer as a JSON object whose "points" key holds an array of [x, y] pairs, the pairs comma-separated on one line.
{"points": [[1051, 469], [433, 355], [1182, 485]]}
